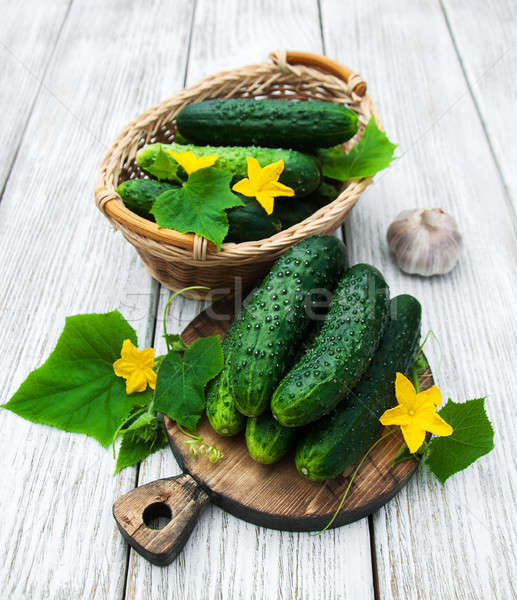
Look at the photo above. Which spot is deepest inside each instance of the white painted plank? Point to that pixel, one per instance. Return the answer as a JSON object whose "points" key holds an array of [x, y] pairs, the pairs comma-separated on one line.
{"points": [[24, 58], [61, 257], [485, 34], [460, 541], [226, 557]]}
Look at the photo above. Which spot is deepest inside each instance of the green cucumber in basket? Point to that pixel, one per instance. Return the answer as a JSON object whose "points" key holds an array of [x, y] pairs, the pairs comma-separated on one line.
{"points": [[338, 440], [340, 353], [301, 171], [294, 210], [246, 223], [277, 317], [271, 123], [139, 194], [224, 418], [251, 222], [267, 441]]}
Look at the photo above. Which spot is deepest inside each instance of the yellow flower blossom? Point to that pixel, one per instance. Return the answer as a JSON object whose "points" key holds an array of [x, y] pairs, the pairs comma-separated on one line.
{"points": [[416, 413], [136, 367], [263, 183], [190, 162]]}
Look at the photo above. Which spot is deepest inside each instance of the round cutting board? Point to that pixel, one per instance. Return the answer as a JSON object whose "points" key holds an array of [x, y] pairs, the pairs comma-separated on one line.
{"points": [[274, 496]]}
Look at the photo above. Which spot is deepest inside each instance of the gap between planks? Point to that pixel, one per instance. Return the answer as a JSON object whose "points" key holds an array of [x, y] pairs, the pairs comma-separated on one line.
{"points": [[505, 186], [36, 95]]}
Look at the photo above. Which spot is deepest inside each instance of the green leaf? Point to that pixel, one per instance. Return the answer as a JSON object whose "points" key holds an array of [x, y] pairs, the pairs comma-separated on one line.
{"points": [[144, 437], [76, 388], [373, 153], [175, 342], [472, 438], [164, 167], [181, 383], [198, 206]]}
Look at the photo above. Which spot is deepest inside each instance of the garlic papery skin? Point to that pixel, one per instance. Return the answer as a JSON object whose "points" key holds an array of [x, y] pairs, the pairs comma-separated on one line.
{"points": [[425, 241]]}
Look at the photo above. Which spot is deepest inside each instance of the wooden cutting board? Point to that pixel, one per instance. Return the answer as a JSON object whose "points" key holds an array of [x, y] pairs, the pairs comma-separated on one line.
{"points": [[274, 496]]}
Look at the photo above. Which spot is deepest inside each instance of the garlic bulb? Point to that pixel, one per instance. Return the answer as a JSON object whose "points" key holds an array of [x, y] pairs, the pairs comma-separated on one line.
{"points": [[425, 241]]}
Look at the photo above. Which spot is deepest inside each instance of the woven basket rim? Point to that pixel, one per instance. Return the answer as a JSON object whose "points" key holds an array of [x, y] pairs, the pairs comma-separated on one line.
{"points": [[193, 247]]}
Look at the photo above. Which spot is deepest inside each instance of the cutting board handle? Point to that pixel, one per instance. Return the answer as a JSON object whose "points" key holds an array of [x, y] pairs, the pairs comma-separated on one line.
{"points": [[180, 499]]}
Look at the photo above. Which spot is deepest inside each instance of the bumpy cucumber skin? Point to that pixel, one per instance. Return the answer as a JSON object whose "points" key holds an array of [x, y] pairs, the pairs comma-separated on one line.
{"points": [[275, 319], [250, 222], [341, 352], [301, 171], [139, 194], [272, 123], [267, 441], [336, 442], [224, 418]]}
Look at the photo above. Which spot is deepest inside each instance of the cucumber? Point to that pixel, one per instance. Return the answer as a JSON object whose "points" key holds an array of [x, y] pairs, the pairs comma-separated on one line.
{"points": [[267, 440], [251, 222], [246, 223], [276, 318], [224, 418], [301, 171], [139, 194], [337, 441], [340, 353], [325, 194], [272, 123], [292, 210]]}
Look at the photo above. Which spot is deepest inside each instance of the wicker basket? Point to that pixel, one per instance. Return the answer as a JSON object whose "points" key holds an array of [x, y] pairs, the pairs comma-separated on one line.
{"points": [[177, 260]]}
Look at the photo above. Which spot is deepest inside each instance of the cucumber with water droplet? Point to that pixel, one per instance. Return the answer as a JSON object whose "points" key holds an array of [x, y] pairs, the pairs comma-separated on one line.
{"points": [[276, 318], [267, 441], [337, 441], [340, 353], [222, 414]]}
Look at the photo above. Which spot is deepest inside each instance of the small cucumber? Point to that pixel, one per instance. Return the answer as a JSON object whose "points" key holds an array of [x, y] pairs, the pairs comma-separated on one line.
{"points": [[224, 418], [294, 210], [276, 318], [267, 440], [336, 442], [340, 353], [272, 123], [139, 194], [250, 222], [301, 171]]}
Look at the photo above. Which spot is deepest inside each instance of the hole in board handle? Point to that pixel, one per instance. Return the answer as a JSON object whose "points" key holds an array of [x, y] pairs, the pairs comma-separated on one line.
{"points": [[157, 515]]}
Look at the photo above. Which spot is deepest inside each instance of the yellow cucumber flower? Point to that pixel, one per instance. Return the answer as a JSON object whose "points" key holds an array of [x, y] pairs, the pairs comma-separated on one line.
{"points": [[136, 367], [263, 183], [190, 162], [416, 413]]}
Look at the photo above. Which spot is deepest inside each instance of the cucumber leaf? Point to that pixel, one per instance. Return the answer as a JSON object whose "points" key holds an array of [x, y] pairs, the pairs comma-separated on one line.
{"points": [[175, 342], [472, 438], [180, 387], [373, 153], [198, 206], [163, 166], [141, 439], [76, 388]]}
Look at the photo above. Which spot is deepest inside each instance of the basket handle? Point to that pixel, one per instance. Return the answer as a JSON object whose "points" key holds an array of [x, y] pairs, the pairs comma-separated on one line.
{"points": [[325, 64]]}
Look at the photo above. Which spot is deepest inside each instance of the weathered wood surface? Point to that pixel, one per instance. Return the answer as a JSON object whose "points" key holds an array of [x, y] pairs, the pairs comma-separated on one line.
{"points": [[60, 257], [105, 63], [24, 60], [485, 37], [459, 541]]}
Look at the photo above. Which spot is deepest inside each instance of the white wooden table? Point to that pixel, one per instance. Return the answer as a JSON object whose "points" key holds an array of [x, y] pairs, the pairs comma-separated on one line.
{"points": [[72, 73]]}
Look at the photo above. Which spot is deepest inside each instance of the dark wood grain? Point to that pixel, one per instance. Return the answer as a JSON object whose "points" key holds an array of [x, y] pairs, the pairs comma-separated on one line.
{"points": [[180, 499], [277, 496]]}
